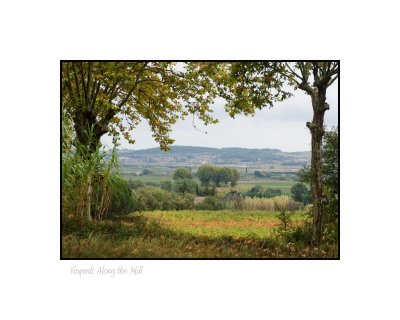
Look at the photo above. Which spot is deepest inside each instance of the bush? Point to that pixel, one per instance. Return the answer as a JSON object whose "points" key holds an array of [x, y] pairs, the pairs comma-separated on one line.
{"points": [[261, 192], [151, 184], [300, 193], [211, 203], [166, 185], [258, 174], [153, 198], [206, 191], [120, 195], [184, 186], [182, 173], [135, 184]]}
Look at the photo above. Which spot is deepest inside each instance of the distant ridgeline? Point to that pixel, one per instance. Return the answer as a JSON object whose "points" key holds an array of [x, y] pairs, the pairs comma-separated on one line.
{"points": [[184, 155]]}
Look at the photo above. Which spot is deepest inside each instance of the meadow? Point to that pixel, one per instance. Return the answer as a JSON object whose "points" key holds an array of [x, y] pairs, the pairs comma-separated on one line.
{"points": [[191, 234]]}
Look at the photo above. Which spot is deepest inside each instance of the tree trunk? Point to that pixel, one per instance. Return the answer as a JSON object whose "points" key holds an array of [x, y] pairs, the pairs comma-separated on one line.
{"points": [[317, 131]]}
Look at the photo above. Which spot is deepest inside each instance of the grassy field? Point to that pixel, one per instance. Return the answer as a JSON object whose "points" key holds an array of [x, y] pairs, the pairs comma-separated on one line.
{"points": [[186, 234], [236, 224]]}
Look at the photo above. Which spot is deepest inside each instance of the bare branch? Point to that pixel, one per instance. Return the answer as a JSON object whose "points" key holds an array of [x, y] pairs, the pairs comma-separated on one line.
{"points": [[293, 72], [303, 72], [333, 79], [76, 80]]}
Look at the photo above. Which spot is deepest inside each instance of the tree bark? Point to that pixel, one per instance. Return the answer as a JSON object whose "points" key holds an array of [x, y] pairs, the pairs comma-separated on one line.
{"points": [[317, 131]]}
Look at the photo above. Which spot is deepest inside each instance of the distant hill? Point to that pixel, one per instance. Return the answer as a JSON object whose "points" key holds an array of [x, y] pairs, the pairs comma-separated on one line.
{"points": [[187, 155]]}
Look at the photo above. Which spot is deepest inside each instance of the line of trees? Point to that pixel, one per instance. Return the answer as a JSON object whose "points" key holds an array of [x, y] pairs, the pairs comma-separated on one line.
{"points": [[213, 175]]}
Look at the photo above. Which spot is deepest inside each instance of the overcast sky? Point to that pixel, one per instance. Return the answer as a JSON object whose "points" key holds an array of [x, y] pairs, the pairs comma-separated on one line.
{"points": [[282, 127]]}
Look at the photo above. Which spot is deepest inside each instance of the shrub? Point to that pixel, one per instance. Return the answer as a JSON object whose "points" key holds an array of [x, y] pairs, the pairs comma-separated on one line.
{"points": [[146, 172], [166, 185], [261, 192], [153, 198], [182, 173], [151, 184], [206, 191], [258, 174], [184, 186], [300, 193], [211, 203], [135, 184], [120, 195]]}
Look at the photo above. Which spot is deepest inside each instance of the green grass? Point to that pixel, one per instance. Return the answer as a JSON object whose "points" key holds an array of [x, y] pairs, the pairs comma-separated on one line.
{"points": [[236, 224], [185, 234]]}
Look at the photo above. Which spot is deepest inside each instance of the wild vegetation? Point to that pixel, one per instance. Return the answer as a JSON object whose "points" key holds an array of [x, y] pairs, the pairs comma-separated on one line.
{"points": [[200, 211]]}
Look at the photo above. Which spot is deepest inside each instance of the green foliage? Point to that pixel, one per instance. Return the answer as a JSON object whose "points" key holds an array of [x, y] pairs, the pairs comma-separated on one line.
{"points": [[261, 192], [330, 174], [214, 175], [300, 235], [166, 185], [207, 174], [85, 176], [184, 186], [258, 174], [246, 86], [153, 198], [135, 184], [211, 203], [206, 191], [102, 94], [146, 172], [300, 193], [121, 196], [284, 216], [182, 173]]}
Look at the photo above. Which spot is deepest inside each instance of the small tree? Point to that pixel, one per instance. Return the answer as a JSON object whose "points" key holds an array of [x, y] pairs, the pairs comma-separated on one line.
{"points": [[207, 174], [235, 176], [224, 175], [182, 173], [184, 186], [300, 193]]}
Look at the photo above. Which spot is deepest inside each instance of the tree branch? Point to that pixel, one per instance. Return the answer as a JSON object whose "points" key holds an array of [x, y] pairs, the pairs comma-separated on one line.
{"points": [[307, 88], [139, 74], [293, 72], [333, 79], [85, 94], [76, 80]]}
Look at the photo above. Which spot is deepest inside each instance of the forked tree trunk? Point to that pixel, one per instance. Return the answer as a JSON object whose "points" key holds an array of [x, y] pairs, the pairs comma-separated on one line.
{"points": [[317, 131]]}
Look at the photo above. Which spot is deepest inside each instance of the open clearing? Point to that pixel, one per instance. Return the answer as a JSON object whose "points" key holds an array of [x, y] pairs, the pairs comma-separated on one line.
{"points": [[185, 234]]}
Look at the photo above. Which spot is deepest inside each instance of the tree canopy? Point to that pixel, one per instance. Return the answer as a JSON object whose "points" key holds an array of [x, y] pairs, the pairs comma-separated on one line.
{"points": [[113, 97]]}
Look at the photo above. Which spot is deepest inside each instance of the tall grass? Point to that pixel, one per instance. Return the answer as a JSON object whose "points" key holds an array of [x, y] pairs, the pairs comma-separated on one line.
{"points": [[268, 204], [85, 176]]}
